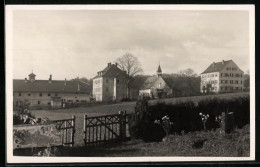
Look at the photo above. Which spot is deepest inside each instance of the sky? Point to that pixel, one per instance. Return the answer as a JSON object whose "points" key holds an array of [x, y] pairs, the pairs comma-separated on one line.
{"points": [[78, 43]]}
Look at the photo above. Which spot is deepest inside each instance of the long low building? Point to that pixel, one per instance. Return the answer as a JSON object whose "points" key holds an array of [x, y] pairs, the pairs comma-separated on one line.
{"points": [[49, 93]]}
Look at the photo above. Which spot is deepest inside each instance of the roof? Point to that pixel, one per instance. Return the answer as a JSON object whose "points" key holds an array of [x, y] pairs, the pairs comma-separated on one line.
{"points": [[56, 86], [151, 79], [32, 74], [216, 67], [111, 71], [159, 69]]}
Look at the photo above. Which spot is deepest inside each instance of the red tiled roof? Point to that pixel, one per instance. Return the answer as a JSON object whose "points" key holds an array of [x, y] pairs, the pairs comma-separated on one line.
{"points": [[216, 67], [56, 86]]}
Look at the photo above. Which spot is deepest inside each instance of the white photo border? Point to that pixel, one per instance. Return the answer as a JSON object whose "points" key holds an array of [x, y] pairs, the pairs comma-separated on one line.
{"points": [[9, 9]]}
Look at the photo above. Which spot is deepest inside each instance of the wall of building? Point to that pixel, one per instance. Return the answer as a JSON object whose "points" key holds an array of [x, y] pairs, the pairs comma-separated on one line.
{"points": [[212, 79], [44, 99], [229, 79], [108, 89], [145, 92], [98, 88], [121, 88]]}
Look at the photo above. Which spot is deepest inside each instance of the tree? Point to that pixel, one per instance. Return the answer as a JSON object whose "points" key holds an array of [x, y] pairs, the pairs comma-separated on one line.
{"points": [[188, 73], [129, 63]]}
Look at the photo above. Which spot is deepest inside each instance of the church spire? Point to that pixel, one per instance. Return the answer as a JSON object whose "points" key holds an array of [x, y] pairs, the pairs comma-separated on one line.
{"points": [[159, 71]]}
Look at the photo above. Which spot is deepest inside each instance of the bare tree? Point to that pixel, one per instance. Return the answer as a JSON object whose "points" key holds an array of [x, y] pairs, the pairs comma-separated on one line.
{"points": [[129, 63], [188, 73]]}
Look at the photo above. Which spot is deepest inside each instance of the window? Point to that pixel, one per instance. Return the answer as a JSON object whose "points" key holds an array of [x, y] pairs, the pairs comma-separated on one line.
{"points": [[241, 82], [20, 94], [49, 94], [29, 94], [39, 102], [216, 75], [56, 94], [117, 81], [77, 100], [40, 94], [241, 75], [49, 103], [226, 74]]}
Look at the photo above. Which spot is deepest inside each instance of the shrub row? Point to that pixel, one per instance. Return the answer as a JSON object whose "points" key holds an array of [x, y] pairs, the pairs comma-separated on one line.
{"points": [[185, 115]]}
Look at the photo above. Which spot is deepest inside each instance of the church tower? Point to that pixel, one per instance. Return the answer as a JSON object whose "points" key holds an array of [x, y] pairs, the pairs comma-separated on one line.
{"points": [[159, 71], [32, 77]]}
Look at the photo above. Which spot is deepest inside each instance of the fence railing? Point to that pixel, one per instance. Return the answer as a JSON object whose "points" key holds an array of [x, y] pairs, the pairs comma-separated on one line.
{"points": [[67, 130], [102, 129]]}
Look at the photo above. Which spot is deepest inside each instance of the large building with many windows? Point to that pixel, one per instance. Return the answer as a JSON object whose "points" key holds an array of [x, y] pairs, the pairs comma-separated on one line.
{"points": [[110, 84], [49, 93], [223, 76]]}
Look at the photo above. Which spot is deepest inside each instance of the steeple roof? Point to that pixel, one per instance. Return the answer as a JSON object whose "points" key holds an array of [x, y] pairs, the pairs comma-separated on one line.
{"points": [[32, 74], [159, 70]]}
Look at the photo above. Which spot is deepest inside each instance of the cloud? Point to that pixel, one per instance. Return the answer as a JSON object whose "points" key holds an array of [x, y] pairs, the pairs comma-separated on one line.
{"points": [[79, 43]]}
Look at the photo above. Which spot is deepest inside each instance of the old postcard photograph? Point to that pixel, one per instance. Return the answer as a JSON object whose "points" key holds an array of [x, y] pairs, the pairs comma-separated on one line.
{"points": [[130, 83]]}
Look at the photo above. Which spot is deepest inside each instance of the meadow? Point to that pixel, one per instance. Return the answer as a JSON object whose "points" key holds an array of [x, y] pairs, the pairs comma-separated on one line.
{"points": [[115, 108]]}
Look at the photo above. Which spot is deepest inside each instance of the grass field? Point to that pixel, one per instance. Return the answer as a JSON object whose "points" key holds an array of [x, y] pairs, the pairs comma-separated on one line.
{"points": [[112, 109], [213, 144]]}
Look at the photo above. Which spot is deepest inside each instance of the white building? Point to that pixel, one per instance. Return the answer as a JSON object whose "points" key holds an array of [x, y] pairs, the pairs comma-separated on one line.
{"points": [[110, 84], [223, 76], [49, 93], [155, 86]]}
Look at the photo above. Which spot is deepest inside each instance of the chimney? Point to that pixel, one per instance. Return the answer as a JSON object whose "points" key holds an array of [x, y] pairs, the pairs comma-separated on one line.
{"points": [[50, 79], [65, 81], [223, 61], [78, 88], [116, 64], [109, 64], [25, 80]]}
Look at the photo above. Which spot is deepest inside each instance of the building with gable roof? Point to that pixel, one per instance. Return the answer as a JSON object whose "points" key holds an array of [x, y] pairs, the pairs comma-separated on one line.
{"points": [[49, 93], [110, 84], [155, 86], [224, 76]]}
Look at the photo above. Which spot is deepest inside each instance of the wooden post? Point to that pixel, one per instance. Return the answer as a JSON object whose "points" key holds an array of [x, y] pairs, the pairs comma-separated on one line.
{"points": [[223, 122], [229, 122], [122, 124], [65, 125], [85, 129], [73, 131]]}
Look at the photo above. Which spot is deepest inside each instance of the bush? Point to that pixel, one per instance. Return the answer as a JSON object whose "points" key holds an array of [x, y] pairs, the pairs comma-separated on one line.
{"points": [[185, 115], [142, 126], [19, 119]]}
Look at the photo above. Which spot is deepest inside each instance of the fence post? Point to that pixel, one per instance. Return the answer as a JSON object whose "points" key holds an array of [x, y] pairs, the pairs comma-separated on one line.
{"points": [[84, 129], [122, 124], [223, 122], [228, 122], [73, 130], [66, 134]]}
